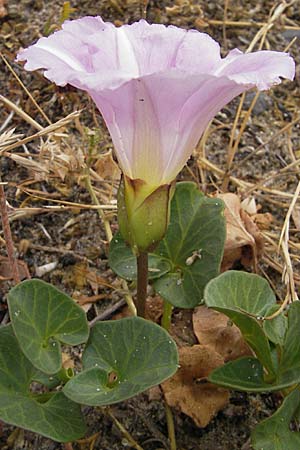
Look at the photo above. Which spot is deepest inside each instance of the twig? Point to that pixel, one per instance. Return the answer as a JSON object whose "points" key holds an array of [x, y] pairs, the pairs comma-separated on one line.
{"points": [[8, 237], [275, 14], [21, 113], [261, 146], [128, 296], [96, 202], [248, 24], [108, 312], [47, 130], [132, 442], [25, 89]]}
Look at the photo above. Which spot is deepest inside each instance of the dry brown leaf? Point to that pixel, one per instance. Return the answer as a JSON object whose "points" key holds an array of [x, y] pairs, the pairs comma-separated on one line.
{"points": [[153, 310], [67, 361], [188, 389], [106, 167], [263, 221], [215, 329], [296, 217], [3, 10], [244, 242], [6, 271]]}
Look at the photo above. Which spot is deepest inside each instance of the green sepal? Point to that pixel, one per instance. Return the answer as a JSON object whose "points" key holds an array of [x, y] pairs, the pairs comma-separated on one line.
{"points": [[143, 213]]}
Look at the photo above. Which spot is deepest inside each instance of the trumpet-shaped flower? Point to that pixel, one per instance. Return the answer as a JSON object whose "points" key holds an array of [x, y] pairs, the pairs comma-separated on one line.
{"points": [[157, 87]]}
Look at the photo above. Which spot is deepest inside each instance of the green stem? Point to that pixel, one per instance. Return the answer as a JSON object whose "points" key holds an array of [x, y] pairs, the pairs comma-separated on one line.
{"points": [[95, 200], [108, 233], [142, 282], [166, 324], [171, 428], [167, 315]]}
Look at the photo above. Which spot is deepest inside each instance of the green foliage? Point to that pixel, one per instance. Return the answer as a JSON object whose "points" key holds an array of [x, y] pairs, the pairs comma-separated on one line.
{"points": [[275, 329], [122, 358], [274, 433], [123, 261], [245, 298], [42, 317], [53, 415], [189, 255], [241, 296]]}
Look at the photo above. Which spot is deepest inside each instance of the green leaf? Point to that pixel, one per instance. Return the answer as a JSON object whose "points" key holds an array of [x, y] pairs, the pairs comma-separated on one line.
{"points": [[57, 418], [122, 358], [240, 291], [189, 255], [42, 317], [289, 368], [240, 296], [275, 329], [244, 374], [193, 245], [274, 433], [123, 261]]}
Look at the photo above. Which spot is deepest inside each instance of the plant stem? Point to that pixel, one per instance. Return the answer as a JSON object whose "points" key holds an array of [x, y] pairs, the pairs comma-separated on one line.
{"points": [[68, 446], [166, 324], [108, 233], [171, 428], [167, 315], [95, 200], [142, 282], [8, 237]]}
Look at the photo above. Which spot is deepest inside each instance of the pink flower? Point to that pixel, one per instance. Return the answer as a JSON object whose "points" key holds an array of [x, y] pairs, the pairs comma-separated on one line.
{"points": [[157, 87]]}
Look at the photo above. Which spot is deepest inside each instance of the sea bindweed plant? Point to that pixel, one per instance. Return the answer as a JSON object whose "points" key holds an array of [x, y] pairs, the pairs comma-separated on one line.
{"points": [[157, 88]]}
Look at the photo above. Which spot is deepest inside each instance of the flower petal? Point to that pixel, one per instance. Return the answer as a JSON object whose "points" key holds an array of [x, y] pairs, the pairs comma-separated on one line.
{"points": [[155, 131], [157, 87], [261, 69]]}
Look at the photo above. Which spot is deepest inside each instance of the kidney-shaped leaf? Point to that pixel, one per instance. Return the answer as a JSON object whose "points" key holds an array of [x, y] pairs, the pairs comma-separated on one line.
{"points": [[240, 296], [194, 246], [274, 433], [122, 358], [57, 418], [240, 291], [42, 317]]}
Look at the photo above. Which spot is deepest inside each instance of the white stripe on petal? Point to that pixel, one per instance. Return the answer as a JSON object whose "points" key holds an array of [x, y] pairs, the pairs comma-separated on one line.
{"points": [[65, 56]]}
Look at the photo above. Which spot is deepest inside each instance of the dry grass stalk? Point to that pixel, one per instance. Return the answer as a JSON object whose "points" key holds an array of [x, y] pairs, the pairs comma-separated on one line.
{"points": [[8, 237], [21, 113], [260, 35], [45, 131], [248, 24], [26, 90]]}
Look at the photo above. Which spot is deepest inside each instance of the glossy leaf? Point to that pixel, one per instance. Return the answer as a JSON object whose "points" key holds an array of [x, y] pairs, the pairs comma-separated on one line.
{"points": [[289, 369], [275, 329], [274, 433], [244, 374], [189, 255], [122, 358], [240, 291], [241, 296], [42, 317], [57, 418]]}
